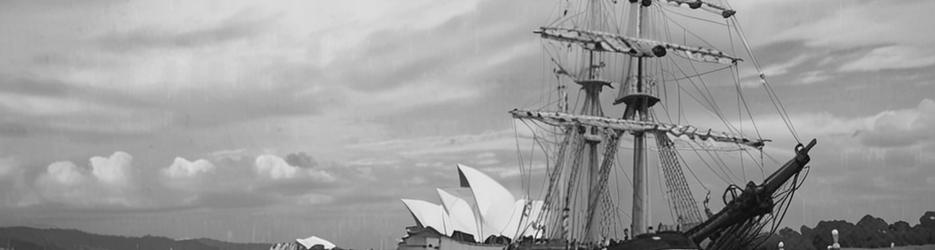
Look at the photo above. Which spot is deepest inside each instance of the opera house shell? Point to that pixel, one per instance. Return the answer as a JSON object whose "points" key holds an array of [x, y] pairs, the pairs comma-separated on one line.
{"points": [[482, 214]]}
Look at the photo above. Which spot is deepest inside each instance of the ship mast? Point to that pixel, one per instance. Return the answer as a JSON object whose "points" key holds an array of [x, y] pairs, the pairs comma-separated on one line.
{"points": [[589, 130], [581, 171], [638, 104], [592, 87]]}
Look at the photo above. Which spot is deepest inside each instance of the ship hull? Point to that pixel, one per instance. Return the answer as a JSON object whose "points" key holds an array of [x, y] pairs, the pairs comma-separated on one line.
{"points": [[656, 241]]}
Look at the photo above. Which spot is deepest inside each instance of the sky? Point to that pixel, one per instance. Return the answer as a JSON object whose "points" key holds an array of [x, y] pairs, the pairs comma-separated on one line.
{"points": [[257, 121]]}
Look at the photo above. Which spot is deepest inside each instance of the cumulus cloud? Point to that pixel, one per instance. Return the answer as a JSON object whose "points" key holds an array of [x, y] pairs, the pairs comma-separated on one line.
{"points": [[115, 182], [65, 173], [114, 169], [106, 182], [276, 168], [182, 168]]}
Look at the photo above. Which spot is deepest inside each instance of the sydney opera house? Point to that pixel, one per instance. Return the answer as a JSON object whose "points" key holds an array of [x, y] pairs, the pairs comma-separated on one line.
{"points": [[481, 214]]}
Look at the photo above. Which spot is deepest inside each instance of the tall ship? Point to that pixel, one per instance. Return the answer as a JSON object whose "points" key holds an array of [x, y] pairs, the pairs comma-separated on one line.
{"points": [[650, 105]]}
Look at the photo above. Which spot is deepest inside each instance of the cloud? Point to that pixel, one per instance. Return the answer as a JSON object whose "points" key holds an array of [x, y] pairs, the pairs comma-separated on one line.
{"points": [[899, 128], [40, 106], [849, 38], [108, 182], [31, 86], [481, 149], [892, 57], [785, 66], [838, 24], [444, 78], [115, 182], [889, 128], [65, 173], [424, 79], [276, 168], [182, 168], [229, 153], [862, 160], [233, 65], [301, 159], [814, 77], [7, 167], [224, 64], [112, 170], [235, 27], [12, 128], [14, 185], [79, 115]]}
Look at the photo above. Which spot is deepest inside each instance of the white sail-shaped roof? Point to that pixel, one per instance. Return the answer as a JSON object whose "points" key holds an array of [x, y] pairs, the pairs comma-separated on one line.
{"points": [[310, 242], [494, 202], [460, 213], [429, 214]]}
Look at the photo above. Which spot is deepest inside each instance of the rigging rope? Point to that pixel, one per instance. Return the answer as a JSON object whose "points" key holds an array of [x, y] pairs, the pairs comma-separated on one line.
{"points": [[670, 160], [780, 108], [598, 189], [681, 197]]}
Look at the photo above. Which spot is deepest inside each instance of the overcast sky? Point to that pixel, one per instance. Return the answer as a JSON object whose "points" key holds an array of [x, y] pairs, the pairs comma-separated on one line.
{"points": [[264, 122]]}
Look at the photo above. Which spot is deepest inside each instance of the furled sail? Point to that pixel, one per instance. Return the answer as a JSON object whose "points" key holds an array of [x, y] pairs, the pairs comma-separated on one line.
{"points": [[608, 42], [692, 132]]}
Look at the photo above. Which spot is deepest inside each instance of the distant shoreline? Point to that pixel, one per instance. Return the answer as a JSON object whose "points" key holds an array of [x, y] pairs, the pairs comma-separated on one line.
{"points": [[868, 233]]}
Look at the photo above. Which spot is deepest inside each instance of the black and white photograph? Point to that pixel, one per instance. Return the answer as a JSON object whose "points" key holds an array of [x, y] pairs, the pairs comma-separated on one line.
{"points": [[467, 124]]}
